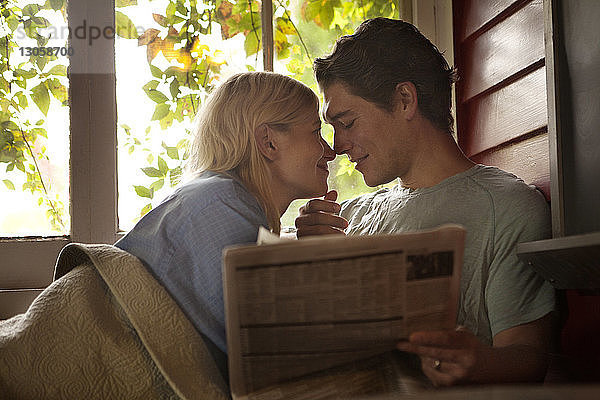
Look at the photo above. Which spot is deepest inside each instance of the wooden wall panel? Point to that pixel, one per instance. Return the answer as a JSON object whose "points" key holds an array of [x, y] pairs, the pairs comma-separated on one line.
{"points": [[477, 13], [505, 114], [503, 51], [502, 112], [24, 268], [13, 302], [528, 159]]}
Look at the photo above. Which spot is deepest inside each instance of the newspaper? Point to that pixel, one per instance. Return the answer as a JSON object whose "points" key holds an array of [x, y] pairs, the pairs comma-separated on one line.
{"points": [[320, 317]]}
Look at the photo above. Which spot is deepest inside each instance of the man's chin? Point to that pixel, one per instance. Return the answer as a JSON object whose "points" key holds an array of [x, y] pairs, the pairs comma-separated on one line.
{"points": [[373, 181]]}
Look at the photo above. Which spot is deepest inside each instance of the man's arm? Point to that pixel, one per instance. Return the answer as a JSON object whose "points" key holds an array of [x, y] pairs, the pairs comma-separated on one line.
{"points": [[319, 217], [518, 354]]}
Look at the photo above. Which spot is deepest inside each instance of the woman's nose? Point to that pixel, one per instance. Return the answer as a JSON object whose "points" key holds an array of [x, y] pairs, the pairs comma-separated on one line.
{"points": [[328, 152]]}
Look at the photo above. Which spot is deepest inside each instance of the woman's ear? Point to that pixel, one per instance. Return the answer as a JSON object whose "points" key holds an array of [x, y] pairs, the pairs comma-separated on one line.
{"points": [[406, 101], [265, 140]]}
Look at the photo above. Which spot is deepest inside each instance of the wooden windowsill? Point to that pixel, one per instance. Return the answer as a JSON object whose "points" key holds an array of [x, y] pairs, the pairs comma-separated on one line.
{"points": [[571, 262]]}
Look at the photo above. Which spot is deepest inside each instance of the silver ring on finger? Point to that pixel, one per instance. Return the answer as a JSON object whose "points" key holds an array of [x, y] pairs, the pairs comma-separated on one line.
{"points": [[437, 365]]}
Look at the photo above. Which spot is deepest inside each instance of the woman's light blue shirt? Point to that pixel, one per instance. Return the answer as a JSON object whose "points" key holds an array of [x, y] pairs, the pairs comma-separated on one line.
{"points": [[181, 242]]}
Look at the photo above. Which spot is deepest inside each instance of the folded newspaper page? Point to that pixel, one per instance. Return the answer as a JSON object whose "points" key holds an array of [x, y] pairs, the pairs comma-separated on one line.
{"points": [[319, 317]]}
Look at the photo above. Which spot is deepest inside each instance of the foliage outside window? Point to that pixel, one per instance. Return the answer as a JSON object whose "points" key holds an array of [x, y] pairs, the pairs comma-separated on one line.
{"points": [[184, 64], [33, 96]]}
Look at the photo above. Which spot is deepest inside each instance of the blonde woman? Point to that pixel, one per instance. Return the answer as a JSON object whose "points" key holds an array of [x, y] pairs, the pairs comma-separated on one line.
{"points": [[257, 147]]}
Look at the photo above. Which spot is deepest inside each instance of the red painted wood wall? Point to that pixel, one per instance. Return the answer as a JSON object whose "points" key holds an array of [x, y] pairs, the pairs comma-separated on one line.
{"points": [[502, 121], [501, 94]]}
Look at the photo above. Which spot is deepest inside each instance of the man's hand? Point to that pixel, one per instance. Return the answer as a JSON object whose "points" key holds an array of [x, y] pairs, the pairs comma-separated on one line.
{"points": [[447, 357], [519, 354], [319, 217]]}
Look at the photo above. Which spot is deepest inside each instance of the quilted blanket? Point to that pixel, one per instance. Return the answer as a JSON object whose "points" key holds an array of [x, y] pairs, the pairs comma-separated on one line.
{"points": [[105, 329]]}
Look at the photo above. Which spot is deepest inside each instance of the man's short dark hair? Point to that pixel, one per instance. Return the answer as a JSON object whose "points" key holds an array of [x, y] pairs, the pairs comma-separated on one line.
{"points": [[383, 52]]}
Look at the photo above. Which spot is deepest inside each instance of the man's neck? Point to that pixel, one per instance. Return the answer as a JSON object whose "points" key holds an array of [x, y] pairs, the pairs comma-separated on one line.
{"points": [[437, 159]]}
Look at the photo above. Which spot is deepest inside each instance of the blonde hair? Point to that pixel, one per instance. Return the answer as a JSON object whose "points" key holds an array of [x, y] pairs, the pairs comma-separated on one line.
{"points": [[224, 136]]}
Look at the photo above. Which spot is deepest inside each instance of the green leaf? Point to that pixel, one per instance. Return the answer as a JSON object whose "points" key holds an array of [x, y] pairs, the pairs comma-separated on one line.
{"points": [[160, 19], [152, 172], [124, 27], [173, 152], [157, 96], [9, 184], [125, 3], [176, 72], [175, 175], [161, 111], [326, 15], [13, 22], [10, 125], [148, 37], [40, 61], [41, 42], [58, 90], [39, 131], [27, 74], [143, 191], [30, 29], [174, 88], [285, 26], [162, 165], [156, 72], [146, 209], [181, 9], [252, 43], [30, 10], [56, 4], [157, 185], [150, 85], [41, 97], [40, 22], [60, 70]]}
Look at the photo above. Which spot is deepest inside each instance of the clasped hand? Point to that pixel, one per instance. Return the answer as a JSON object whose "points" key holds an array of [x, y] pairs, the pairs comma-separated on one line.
{"points": [[319, 217]]}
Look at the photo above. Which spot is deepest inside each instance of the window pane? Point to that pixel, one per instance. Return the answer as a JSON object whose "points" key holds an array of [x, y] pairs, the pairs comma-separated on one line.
{"points": [[308, 29], [34, 119], [168, 55]]}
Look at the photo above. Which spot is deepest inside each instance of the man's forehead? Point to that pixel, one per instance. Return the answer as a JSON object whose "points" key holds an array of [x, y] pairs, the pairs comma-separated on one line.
{"points": [[336, 102]]}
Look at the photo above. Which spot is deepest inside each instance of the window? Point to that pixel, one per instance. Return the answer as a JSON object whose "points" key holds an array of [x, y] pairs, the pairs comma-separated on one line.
{"points": [[302, 30], [170, 53], [34, 118]]}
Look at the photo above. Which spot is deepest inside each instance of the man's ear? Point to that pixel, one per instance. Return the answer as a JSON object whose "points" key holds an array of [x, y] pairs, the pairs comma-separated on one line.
{"points": [[265, 141], [405, 98]]}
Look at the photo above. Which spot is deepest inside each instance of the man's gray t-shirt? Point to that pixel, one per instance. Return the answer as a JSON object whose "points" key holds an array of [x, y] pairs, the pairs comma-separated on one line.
{"points": [[498, 210]]}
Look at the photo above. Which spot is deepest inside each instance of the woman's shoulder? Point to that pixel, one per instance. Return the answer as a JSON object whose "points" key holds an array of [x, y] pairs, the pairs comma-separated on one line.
{"points": [[209, 187]]}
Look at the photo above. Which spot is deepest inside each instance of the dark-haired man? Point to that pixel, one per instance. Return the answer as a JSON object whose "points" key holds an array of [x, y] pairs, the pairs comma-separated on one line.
{"points": [[387, 93]]}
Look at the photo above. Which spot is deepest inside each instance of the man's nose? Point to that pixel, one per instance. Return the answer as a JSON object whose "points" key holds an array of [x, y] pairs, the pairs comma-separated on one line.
{"points": [[340, 144]]}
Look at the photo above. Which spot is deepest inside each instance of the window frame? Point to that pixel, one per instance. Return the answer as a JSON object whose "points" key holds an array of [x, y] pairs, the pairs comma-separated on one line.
{"points": [[28, 263]]}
